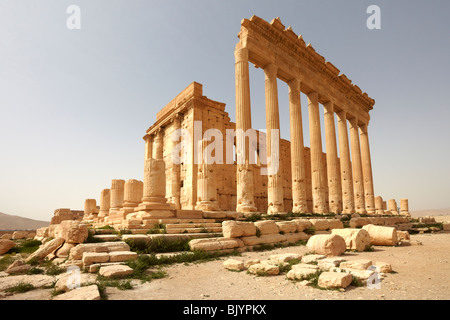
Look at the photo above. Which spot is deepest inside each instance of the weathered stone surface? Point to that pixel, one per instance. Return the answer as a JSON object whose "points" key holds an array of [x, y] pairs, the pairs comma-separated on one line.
{"points": [[403, 235], [83, 293], [62, 282], [300, 273], [115, 271], [121, 256], [209, 244], [302, 224], [287, 226], [285, 257], [6, 236], [329, 245], [312, 258], [355, 239], [19, 235], [63, 252], [382, 236], [73, 231], [46, 249], [230, 243], [248, 263], [37, 280], [361, 264], [335, 280], [267, 227], [18, 266], [320, 224], [231, 229], [335, 224], [294, 237], [329, 263], [76, 253], [446, 226], [94, 257], [234, 265], [305, 266], [362, 275], [384, 267], [6, 245], [263, 269]]}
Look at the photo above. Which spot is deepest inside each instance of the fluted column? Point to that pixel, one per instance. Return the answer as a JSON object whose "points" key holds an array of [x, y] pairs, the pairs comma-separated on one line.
{"points": [[154, 203], [275, 184], [369, 195], [105, 204], [206, 191], [298, 174], [334, 182], [244, 174], [358, 182], [148, 146], [392, 206], [116, 196], [404, 207], [348, 205], [176, 168], [317, 167], [379, 209], [133, 192], [90, 209]]}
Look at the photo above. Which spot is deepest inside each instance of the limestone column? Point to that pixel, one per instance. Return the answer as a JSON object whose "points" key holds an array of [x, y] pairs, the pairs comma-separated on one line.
{"points": [[404, 207], [274, 179], [176, 169], [105, 203], [298, 174], [244, 174], [348, 205], [379, 205], [133, 192], [154, 203], [206, 191], [358, 182], [334, 180], [116, 195], [148, 146], [317, 168], [90, 209], [392, 206], [369, 195]]}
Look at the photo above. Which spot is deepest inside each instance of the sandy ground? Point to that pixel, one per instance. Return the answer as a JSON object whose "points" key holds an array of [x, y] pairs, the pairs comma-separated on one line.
{"points": [[422, 272]]}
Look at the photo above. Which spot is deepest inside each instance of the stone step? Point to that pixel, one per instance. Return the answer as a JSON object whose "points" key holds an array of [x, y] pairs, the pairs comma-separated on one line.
{"points": [[174, 236], [107, 237], [172, 220], [192, 225], [193, 230]]}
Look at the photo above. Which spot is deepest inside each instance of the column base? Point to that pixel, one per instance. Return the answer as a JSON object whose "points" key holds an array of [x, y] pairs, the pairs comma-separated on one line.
{"points": [[246, 208], [207, 206], [276, 209]]}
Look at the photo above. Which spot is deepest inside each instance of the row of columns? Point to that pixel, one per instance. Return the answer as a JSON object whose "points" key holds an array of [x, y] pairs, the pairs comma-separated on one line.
{"points": [[352, 192]]}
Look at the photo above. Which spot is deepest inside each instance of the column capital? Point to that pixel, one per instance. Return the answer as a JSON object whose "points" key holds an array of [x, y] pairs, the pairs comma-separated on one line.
{"points": [[294, 85], [329, 107], [270, 70], [241, 55]]}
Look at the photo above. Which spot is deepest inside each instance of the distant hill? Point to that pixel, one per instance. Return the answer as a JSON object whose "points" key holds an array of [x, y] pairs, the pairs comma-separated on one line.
{"points": [[10, 222], [431, 212]]}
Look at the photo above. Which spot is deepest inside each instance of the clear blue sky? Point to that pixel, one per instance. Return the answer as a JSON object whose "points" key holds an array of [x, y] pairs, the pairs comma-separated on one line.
{"points": [[74, 104]]}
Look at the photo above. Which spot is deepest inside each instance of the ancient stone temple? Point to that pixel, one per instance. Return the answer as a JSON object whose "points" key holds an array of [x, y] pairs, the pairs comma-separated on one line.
{"points": [[198, 161]]}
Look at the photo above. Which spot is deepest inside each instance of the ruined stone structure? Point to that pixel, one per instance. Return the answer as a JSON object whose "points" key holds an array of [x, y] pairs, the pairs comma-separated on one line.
{"points": [[178, 181]]}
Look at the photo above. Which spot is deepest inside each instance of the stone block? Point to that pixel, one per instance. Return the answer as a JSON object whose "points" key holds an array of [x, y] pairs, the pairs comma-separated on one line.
{"points": [[46, 249], [312, 258], [121, 256], [6, 245], [234, 265], [263, 269], [287, 226], [83, 293], [294, 237], [115, 271], [320, 224], [355, 239], [329, 263], [94, 257], [382, 236], [267, 227], [361, 264], [302, 224], [335, 280], [285, 257], [329, 245], [300, 273], [384, 267]]}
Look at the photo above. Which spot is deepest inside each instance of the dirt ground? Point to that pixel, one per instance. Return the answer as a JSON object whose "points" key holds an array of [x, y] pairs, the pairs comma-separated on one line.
{"points": [[422, 272]]}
